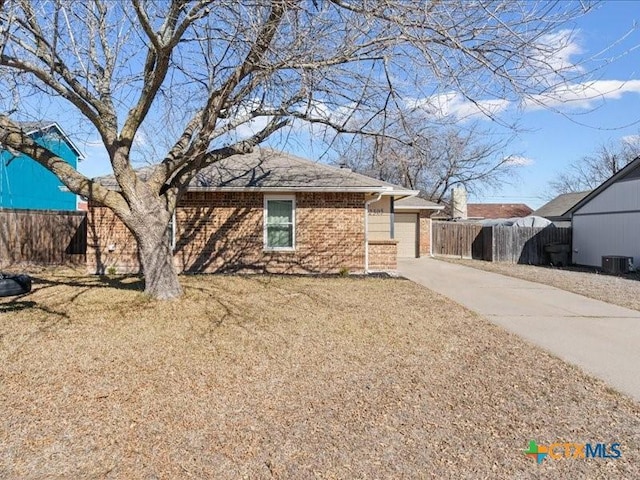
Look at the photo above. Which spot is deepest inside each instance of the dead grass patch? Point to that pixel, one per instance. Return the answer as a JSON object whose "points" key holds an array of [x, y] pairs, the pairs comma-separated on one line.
{"points": [[275, 377]]}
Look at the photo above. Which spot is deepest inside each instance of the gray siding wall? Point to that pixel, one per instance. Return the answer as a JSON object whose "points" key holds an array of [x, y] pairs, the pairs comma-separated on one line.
{"points": [[606, 234], [621, 196], [608, 225]]}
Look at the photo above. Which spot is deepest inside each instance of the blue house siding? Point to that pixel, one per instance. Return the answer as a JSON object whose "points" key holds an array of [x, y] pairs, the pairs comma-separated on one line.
{"points": [[25, 183]]}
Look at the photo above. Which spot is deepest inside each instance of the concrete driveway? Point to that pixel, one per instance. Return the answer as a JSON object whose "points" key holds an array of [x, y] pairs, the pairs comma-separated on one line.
{"points": [[601, 338]]}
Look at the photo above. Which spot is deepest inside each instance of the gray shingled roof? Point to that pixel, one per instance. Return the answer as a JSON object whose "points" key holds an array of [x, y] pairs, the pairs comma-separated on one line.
{"points": [[416, 203], [560, 205], [272, 170]]}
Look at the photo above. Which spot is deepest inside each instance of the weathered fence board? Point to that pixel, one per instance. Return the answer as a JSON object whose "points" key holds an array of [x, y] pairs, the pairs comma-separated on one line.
{"points": [[46, 237], [525, 244], [463, 240], [498, 243]]}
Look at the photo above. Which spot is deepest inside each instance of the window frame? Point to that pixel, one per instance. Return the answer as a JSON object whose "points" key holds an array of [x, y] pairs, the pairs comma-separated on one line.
{"points": [[265, 239], [172, 231]]}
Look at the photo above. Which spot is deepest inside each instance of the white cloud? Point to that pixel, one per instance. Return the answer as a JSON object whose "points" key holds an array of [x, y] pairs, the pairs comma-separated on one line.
{"points": [[582, 95], [316, 109], [519, 161], [251, 127], [336, 114], [553, 53], [556, 51], [574, 96], [141, 140], [452, 104]]}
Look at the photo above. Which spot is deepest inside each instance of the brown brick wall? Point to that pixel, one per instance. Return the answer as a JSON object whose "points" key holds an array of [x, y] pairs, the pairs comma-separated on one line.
{"points": [[424, 229], [223, 232], [109, 243], [383, 255]]}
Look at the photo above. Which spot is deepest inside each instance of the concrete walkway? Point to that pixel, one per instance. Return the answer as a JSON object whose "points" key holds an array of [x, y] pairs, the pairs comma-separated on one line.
{"points": [[601, 338]]}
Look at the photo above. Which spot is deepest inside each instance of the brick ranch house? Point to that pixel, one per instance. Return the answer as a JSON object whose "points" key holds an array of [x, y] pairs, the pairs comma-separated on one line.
{"points": [[274, 212]]}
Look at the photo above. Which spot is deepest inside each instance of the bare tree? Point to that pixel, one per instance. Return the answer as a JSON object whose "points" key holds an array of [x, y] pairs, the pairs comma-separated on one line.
{"points": [[591, 171], [203, 69], [422, 154]]}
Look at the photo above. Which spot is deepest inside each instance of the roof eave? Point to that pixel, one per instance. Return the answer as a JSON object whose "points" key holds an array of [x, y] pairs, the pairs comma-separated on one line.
{"points": [[421, 207], [402, 193], [603, 186], [61, 132], [383, 190]]}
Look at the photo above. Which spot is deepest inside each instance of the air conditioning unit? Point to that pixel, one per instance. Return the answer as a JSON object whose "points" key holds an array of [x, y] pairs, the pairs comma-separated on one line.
{"points": [[616, 264]]}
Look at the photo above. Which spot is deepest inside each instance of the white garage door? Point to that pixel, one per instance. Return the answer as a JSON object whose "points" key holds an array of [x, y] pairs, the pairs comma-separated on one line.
{"points": [[405, 231]]}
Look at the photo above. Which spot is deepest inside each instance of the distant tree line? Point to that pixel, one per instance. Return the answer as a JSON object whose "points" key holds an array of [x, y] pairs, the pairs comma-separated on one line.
{"points": [[590, 171]]}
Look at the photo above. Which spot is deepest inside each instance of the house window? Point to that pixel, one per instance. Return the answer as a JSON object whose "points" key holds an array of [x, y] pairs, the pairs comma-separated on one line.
{"points": [[279, 222]]}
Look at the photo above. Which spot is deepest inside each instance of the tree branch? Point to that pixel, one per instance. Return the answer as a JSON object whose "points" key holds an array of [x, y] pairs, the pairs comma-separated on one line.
{"points": [[183, 176], [12, 136], [146, 25]]}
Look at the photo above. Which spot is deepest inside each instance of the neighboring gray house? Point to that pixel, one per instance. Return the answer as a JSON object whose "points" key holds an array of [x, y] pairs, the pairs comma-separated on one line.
{"points": [[557, 210], [607, 220]]}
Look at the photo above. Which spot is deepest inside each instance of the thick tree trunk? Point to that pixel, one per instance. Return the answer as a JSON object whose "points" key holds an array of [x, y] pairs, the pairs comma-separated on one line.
{"points": [[156, 254], [160, 276]]}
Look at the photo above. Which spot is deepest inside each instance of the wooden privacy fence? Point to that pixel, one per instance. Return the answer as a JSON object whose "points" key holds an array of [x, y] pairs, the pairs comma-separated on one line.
{"points": [[45, 237], [497, 243], [522, 244], [457, 239]]}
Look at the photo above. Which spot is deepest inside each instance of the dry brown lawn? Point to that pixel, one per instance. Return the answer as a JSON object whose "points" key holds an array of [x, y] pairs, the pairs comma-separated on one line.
{"points": [[274, 377], [619, 290]]}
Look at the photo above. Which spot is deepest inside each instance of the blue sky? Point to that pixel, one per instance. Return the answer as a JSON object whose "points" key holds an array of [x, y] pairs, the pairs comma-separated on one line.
{"points": [[554, 139], [548, 139]]}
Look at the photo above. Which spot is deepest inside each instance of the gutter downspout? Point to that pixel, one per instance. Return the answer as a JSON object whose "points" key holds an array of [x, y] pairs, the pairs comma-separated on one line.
{"points": [[366, 231]]}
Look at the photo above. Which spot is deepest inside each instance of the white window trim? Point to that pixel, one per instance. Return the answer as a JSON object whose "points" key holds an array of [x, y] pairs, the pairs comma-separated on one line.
{"points": [[264, 223], [172, 231]]}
